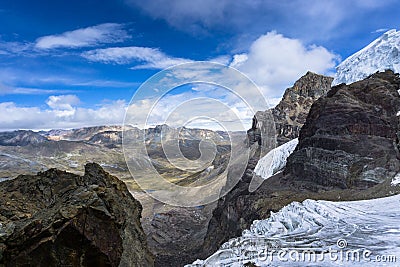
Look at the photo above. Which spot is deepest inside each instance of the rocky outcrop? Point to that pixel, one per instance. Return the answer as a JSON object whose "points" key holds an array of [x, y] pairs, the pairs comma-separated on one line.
{"points": [[174, 234], [351, 137], [348, 150], [291, 112], [229, 218], [57, 218]]}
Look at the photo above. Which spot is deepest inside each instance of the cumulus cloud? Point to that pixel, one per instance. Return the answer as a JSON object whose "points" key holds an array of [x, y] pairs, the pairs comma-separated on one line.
{"points": [[192, 108], [84, 37], [146, 57], [274, 62], [35, 118], [198, 105], [62, 102]]}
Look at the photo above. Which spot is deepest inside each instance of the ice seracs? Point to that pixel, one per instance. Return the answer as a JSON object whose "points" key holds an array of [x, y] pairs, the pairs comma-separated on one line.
{"points": [[316, 228], [381, 54], [275, 160]]}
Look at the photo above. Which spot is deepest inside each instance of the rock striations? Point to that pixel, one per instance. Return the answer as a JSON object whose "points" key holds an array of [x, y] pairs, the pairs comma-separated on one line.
{"points": [[350, 138], [57, 218], [348, 150]]}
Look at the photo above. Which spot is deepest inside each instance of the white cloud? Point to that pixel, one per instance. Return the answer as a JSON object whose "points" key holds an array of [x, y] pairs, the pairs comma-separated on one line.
{"points": [[18, 117], [85, 37], [7, 90], [238, 60], [224, 59], [380, 30], [62, 102], [200, 105], [275, 62], [311, 20], [148, 58], [14, 48]]}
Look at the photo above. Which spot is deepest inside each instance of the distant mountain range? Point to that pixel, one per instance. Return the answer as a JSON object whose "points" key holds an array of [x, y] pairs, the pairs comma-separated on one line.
{"points": [[106, 135], [28, 152]]}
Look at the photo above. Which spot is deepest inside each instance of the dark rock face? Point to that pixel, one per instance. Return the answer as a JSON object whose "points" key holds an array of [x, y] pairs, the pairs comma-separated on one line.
{"points": [[60, 219], [348, 150], [237, 210], [174, 234], [350, 138], [229, 219], [291, 112], [21, 138]]}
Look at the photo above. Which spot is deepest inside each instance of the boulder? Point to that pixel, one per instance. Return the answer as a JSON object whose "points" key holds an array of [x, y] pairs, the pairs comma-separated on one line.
{"points": [[56, 218]]}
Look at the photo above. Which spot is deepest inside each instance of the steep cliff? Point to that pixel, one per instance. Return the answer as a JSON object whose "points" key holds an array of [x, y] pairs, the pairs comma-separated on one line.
{"points": [[350, 138], [348, 150], [291, 112]]}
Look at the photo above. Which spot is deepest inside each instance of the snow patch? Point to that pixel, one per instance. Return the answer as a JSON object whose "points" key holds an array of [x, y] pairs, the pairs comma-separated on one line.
{"points": [[396, 180], [275, 160]]}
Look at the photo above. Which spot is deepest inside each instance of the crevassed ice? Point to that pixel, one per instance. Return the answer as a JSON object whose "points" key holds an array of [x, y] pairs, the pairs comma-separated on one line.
{"points": [[275, 160], [317, 226]]}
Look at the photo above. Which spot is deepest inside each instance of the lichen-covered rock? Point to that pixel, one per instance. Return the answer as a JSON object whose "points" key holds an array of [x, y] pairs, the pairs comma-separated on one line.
{"points": [[350, 138], [57, 218]]}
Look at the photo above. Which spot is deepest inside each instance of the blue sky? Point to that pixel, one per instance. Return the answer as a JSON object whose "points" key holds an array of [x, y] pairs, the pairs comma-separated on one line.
{"points": [[69, 64]]}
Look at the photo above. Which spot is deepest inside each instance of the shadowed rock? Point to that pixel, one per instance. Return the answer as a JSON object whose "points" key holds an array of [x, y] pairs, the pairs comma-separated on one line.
{"points": [[348, 150], [57, 218], [350, 138]]}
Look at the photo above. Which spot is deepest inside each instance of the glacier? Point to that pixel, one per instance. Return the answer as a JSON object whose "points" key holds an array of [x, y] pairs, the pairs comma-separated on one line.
{"points": [[383, 53], [318, 233], [275, 160]]}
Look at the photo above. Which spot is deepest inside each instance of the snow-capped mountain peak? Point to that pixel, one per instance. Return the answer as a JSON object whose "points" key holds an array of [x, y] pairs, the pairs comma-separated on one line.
{"points": [[382, 54]]}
